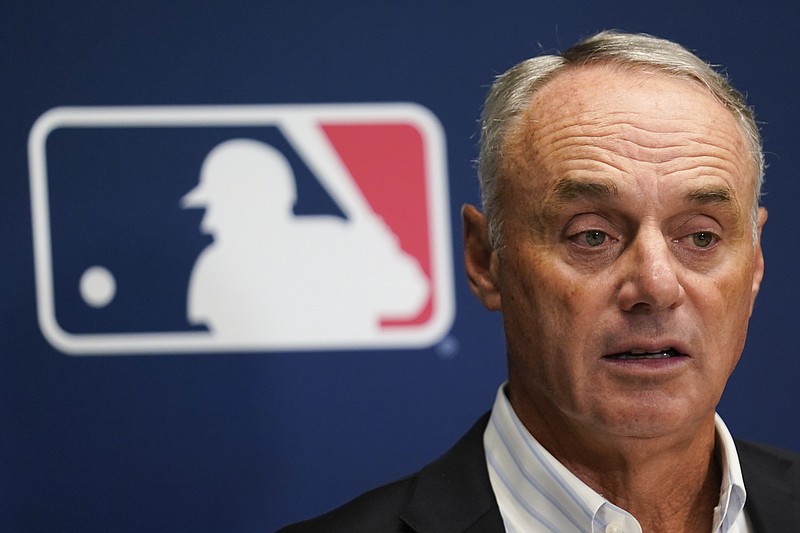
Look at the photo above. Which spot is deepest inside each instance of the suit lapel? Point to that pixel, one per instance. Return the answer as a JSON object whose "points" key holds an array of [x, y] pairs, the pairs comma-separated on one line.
{"points": [[454, 494], [772, 480]]}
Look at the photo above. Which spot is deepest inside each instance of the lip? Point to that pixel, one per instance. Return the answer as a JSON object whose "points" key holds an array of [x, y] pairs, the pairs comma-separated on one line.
{"points": [[644, 374], [677, 347], [679, 357]]}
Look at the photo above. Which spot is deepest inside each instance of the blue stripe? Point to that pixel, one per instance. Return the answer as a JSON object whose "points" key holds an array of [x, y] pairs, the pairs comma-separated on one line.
{"points": [[517, 496], [535, 483], [555, 475], [734, 503]]}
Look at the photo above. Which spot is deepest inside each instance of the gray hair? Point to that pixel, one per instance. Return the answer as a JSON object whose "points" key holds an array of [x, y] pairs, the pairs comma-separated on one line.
{"points": [[512, 92]]}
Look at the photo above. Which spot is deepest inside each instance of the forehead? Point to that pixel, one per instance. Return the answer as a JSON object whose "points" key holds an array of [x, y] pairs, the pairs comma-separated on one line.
{"points": [[629, 122]]}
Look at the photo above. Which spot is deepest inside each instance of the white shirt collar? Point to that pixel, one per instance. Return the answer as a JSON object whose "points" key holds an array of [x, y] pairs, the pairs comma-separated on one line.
{"points": [[730, 511], [535, 492]]}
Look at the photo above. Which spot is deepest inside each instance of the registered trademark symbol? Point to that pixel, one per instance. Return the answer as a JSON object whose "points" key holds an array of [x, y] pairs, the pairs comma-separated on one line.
{"points": [[448, 348]]}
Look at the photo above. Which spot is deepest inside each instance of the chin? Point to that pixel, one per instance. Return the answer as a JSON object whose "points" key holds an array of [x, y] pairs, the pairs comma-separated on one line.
{"points": [[647, 420]]}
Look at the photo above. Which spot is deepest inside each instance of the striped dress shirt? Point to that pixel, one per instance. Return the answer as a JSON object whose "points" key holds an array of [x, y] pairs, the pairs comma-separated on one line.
{"points": [[536, 493]]}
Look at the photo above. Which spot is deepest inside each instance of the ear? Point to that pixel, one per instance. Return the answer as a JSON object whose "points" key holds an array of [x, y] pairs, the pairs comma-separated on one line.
{"points": [[758, 261], [480, 260]]}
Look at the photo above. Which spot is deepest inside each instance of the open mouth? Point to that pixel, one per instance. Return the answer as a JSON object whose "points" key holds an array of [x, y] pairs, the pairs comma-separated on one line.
{"points": [[664, 353]]}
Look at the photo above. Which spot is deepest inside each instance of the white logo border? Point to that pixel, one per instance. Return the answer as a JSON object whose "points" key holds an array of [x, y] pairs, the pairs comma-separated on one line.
{"points": [[414, 337]]}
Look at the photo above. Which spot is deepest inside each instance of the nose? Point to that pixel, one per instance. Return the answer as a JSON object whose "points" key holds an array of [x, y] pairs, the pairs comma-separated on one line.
{"points": [[650, 281]]}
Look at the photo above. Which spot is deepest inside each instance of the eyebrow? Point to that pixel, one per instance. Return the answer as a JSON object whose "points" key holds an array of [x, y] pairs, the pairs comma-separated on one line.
{"points": [[719, 196], [567, 190], [572, 189], [711, 196]]}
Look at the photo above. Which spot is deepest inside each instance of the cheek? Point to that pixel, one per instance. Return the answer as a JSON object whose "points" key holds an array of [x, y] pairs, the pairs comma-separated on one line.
{"points": [[724, 308], [546, 307], [737, 300]]}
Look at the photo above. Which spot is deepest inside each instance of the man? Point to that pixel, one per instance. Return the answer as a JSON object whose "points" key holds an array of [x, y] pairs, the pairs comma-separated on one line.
{"points": [[621, 242]]}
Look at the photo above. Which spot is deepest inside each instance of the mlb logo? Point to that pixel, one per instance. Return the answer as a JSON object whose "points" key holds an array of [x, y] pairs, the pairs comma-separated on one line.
{"points": [[240, 228]]}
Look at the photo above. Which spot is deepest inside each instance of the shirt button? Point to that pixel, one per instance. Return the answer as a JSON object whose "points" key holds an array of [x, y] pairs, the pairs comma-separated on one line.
{"points": [[614, 527]]}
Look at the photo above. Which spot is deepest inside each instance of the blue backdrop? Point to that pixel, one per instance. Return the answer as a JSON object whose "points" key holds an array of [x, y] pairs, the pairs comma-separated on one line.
{"points": [[249, 440]]}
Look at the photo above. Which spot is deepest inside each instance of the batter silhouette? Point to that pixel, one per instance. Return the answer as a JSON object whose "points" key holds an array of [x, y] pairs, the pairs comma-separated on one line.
{"points": [[270, 276]]}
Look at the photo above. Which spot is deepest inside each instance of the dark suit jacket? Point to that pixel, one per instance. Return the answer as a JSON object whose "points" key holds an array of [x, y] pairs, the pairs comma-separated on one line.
{"points": [[453, 494]]}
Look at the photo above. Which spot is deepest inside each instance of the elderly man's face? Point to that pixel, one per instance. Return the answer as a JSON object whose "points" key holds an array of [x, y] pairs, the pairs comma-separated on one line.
{"points": [[627, 269]]}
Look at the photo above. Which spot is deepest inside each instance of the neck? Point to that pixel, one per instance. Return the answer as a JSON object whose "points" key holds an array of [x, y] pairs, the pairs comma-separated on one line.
{"points": [[665, 491], [668, 483]]}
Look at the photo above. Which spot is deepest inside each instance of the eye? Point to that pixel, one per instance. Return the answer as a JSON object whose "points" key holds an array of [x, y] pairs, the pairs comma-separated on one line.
{"points": [[592, 237], [592, 233], [703, 239]]}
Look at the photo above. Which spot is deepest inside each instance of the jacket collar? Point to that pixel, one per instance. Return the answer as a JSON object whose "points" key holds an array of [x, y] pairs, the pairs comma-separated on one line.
{"points": [[454, 494], [772, 481]]}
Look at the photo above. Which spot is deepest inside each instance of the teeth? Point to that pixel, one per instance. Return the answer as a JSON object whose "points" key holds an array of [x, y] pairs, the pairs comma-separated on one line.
{"points": [[632, 355], [639, 353]]}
